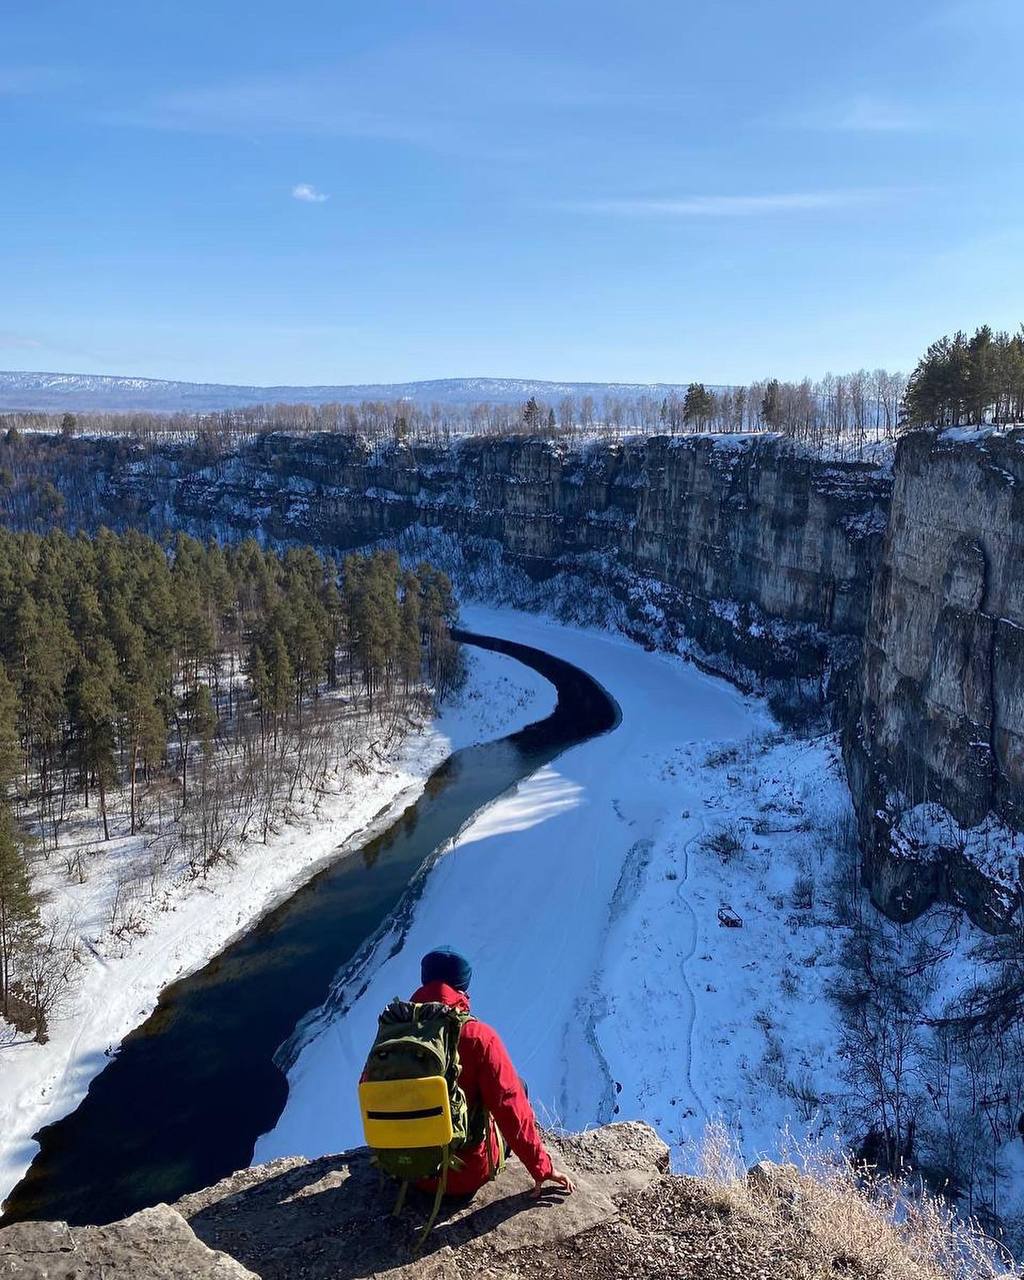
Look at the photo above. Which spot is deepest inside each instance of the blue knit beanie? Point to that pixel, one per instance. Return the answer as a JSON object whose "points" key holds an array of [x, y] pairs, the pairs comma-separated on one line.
{"points": [[444, 964]]}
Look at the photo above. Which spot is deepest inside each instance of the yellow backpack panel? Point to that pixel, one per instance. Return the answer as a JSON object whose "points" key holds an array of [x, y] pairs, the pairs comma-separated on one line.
{"points": [[406, 1113]]}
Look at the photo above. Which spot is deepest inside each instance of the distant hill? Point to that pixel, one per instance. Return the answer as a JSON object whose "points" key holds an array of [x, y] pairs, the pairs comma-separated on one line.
{"points": [[95, 392]]}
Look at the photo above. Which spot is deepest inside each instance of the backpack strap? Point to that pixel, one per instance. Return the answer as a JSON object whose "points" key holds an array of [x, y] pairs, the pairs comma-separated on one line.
{"points": [[492, 1128], [442, 1186]]}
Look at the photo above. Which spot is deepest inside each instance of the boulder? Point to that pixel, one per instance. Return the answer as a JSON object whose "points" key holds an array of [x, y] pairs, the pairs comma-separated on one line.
{"points": [[155, 1244], [332, 1217]]}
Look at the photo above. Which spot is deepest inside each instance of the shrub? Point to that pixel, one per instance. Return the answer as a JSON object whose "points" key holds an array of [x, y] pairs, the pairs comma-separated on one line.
{"points": [[802, 895], [725, 842], [863, 1225]]}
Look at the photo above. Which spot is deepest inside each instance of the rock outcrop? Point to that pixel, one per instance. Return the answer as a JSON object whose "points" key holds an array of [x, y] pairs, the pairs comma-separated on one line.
{"points": [[332, 1216], [630, 1219], [331, 1219], [940, 717], [896, 601], [756, 555], [155, 1244]]}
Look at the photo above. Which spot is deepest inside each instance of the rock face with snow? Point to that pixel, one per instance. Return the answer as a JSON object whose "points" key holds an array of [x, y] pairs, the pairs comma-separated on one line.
{"points": [[765, 563], [758, 554], [940, 720]]}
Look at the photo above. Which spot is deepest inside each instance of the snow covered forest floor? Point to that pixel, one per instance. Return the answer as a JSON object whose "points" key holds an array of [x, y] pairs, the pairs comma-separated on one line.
{"points": [[180, 922]]}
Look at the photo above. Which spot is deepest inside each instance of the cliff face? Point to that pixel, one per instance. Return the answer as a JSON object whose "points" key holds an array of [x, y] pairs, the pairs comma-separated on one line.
{"points": [[760, 556], [900, 601], [940, 720]]}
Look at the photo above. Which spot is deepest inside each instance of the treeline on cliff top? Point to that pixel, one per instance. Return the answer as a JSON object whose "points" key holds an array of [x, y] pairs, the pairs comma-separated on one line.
{"points": [[186, 692], [961, 380], [855, 409], [958, 380]]}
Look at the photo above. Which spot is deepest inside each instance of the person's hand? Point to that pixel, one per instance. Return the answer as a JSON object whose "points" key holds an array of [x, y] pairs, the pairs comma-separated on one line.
{"points": [[559, 1179]]}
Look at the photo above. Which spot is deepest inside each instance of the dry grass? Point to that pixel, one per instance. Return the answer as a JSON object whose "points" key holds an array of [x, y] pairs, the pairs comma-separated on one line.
{"points": [[869, 1226]]}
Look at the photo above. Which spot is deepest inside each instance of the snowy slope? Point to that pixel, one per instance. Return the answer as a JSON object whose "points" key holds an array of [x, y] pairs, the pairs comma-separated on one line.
{"points": [[553, 868], [119, 987], [84, 391], [589, 904]]}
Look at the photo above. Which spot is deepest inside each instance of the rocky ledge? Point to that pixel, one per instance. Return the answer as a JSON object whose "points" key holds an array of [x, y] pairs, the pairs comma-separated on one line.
{"points": [[331, 1219]]}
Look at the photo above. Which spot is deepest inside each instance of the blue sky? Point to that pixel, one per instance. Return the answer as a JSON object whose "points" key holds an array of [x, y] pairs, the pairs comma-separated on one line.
{"points": [[324, 191]]}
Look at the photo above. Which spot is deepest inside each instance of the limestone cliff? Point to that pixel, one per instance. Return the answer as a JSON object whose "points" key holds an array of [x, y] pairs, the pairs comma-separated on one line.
{"points": [[940, 719], [896, 599], [754, 554]]}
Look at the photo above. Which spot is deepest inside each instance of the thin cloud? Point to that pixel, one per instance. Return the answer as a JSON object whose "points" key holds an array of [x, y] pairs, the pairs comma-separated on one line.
{"points": [[450, 98], [308, 194], [19, 341], [314, 105], [736, 206], [25, 80], [872, 115]]}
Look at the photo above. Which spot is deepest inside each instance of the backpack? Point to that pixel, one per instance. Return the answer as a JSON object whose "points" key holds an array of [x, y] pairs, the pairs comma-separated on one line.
{"points": [[415, 1115]]}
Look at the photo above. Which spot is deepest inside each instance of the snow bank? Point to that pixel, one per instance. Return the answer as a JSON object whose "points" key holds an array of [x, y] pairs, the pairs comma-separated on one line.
{"points": [[543, 891], [41, 1083]]}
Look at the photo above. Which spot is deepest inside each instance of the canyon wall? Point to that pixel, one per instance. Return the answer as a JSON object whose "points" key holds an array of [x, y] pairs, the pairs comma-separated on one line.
{"points": [[757, 558], [896, 602], [935, 741]]}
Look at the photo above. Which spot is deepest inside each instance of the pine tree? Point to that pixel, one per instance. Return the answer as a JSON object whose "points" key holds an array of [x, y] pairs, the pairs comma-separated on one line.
{"points": [[281, 679], [531, 415], [194, 719], [771, 405], [10, 747], [698, 405], [19, 906], [93, 712], [411, 643]]}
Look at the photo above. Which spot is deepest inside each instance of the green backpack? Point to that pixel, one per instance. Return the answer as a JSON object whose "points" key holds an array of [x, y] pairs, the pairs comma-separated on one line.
{"points": [[415, 1115]]}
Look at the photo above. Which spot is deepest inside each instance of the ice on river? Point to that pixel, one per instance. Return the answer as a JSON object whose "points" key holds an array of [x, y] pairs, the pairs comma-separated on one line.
{"points": [[587, 913]]}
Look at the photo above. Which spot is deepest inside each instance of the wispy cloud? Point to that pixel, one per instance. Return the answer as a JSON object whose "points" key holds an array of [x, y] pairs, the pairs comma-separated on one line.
{"points": [[733, 206], [317, 104], [25, 80], [308, 194], [866, 114], [19, 341], [445, 97]]}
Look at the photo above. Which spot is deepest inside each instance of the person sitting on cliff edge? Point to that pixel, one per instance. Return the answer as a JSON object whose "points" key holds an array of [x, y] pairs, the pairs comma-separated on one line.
{"points": [[489, 1080]]}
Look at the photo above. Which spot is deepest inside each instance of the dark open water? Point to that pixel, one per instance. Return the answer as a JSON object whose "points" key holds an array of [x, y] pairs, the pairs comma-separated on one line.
{"points": [[184, 1100]]}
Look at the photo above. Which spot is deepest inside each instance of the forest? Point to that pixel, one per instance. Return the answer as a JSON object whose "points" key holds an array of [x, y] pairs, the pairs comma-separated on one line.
{"points": [[961, 380], [186, 693], [958, 380], [848, 411]]}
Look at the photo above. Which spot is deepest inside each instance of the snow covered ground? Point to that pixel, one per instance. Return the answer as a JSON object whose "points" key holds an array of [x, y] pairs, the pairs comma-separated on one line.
{"points": [[120, 980], [588, 899]]}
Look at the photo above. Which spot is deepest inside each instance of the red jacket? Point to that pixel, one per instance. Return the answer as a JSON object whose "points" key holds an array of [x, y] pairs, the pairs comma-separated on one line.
{"points": [[488, 1076]]}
